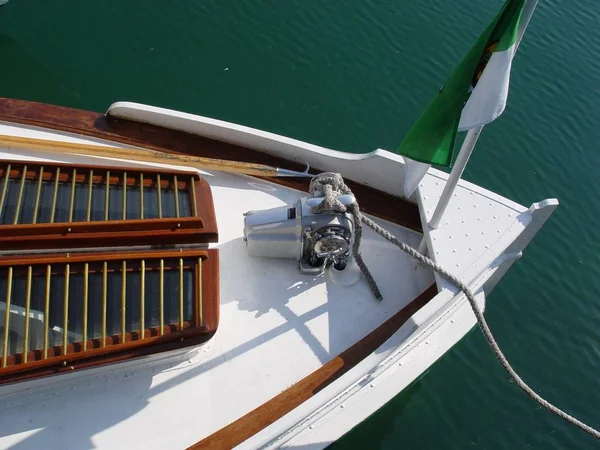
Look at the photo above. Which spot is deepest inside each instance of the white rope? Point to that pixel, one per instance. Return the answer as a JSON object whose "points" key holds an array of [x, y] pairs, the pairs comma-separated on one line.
{"points": [[332, 185]]}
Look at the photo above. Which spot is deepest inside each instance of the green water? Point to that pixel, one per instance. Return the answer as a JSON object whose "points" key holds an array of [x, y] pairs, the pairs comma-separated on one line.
{"points": [[354, 75]]}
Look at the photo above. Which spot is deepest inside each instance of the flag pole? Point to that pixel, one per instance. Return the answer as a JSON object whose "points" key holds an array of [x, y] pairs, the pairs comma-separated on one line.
{"points": [[459, 166]]}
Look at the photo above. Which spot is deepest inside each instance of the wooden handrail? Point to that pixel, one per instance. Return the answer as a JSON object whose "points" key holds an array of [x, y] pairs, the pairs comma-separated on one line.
{"points": [[138, 154]]}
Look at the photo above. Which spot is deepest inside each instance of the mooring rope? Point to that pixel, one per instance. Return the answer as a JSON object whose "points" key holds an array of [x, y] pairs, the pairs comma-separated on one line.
{"points": [[331, 185]]}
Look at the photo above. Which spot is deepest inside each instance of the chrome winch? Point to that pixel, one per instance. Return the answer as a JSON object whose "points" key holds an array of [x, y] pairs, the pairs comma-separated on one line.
{"points": [[316, 240]]}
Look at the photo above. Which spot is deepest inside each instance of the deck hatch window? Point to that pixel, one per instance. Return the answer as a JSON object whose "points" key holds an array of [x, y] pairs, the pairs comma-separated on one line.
{"points": [[65, 307], [84, 205]]}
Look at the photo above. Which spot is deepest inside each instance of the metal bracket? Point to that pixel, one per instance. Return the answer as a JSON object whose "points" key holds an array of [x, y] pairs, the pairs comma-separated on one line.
{"points": [[294, 173]]}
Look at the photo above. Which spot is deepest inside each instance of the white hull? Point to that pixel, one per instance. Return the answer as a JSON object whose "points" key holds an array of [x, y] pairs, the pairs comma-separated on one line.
{"points": [[278, 326]]}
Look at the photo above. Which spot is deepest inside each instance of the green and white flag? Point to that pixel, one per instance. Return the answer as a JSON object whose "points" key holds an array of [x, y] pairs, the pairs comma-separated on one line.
{"points": [[474, 95]]}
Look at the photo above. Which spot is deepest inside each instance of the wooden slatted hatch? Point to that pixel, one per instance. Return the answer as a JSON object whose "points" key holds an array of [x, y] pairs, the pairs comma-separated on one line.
{"points": [[54, 205], [63, 311]]}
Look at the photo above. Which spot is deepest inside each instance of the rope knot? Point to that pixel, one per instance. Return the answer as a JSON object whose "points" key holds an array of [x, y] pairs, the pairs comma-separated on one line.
{"points": [[330, 186]]}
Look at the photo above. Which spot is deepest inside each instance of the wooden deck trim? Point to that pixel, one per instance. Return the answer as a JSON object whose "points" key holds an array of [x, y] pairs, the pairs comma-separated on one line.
{"points": [[247, 426], [92, 124]]}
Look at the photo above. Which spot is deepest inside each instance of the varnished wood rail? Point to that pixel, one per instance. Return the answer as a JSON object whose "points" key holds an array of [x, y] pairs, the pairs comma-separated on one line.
{"points": [[99, 126], [247, 426]]}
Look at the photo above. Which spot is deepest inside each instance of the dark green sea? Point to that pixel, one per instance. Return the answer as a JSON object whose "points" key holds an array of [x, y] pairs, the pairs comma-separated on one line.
{"points": [[354, 75]]}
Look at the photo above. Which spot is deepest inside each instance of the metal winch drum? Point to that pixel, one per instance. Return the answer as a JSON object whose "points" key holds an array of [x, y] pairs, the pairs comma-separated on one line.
{"points": [[316, 240]]}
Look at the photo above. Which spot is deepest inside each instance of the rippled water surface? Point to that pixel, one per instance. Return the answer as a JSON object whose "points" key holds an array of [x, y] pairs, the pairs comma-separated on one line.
{"points": [[354, 75]]}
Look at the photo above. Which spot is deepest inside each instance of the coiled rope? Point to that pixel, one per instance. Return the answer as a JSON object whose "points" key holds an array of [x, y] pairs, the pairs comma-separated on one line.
{"points": [[331, 185]]}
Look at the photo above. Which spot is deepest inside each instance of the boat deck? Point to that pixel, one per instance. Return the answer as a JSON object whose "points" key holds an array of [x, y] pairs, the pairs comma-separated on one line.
{"points": [[277, 326], [478, 225], [297, 360]]}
